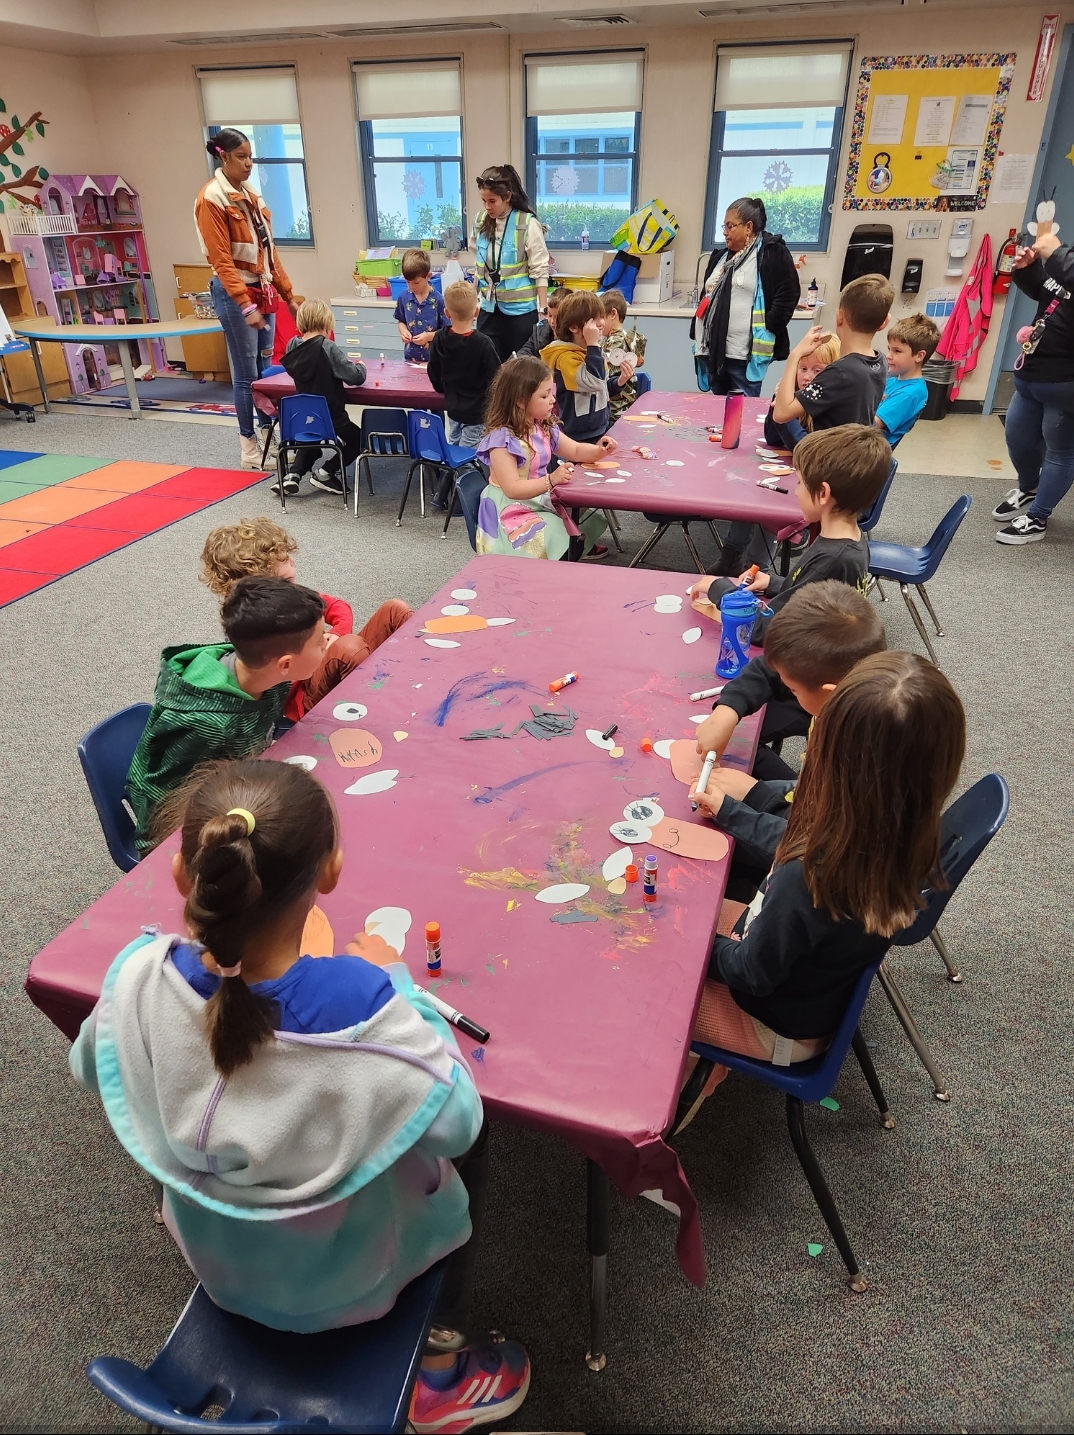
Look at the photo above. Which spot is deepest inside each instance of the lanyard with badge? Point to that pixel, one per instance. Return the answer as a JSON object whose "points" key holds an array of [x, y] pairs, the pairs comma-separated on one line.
{"points": [[1030, 338]]}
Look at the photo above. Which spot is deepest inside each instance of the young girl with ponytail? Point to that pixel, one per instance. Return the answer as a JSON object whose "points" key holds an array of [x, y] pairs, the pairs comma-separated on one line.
{"points": [[314, 1126]]}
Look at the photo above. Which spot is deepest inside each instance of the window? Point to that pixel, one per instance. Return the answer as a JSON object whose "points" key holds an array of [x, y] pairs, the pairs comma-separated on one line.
{"points": [[786, 152], [410, 139], [583, 121], [263, 103]]}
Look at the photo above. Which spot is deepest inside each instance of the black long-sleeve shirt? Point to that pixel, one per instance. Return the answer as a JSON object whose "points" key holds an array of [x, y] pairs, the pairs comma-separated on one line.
{"points": [[796, 967], [462, 368], [759, 819], [1052, 362], [845, 559]]}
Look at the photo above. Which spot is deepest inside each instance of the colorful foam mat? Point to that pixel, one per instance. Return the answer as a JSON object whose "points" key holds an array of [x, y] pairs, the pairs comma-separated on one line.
{"points": [[57, 514]]}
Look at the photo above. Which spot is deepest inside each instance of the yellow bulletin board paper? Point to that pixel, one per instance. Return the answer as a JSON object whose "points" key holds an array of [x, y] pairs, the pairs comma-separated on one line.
{"points": [[943, 101]]}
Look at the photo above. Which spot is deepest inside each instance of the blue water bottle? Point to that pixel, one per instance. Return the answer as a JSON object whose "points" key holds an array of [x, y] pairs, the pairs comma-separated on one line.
{"points": [[738, 609]]}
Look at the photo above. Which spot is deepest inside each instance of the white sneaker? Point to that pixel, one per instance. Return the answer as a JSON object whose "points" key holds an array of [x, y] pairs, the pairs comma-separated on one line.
{"points": [[249, 453], [1024, 529], [1015, 503]]}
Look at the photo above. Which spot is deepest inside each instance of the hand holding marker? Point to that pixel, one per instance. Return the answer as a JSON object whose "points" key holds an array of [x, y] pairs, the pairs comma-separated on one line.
{"points": [[706, 773]]}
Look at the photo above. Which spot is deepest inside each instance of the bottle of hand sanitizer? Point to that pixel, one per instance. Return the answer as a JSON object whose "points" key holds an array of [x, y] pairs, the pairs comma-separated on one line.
{"points": [[585, 236]]}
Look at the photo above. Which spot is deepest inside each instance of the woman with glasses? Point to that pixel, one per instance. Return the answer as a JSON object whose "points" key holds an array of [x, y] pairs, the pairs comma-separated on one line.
{"points": [[751, 288], [512, 261]]}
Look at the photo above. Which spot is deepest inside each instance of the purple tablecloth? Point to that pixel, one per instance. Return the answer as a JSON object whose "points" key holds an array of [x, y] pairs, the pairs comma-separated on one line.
{"points": [[389, 385]]}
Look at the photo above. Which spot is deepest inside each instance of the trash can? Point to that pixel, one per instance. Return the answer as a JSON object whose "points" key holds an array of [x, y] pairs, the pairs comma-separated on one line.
{"points": [[939, 375]]}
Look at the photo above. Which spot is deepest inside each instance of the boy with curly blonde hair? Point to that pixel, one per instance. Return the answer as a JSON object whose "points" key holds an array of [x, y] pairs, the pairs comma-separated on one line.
{"points": [[257, 546]]}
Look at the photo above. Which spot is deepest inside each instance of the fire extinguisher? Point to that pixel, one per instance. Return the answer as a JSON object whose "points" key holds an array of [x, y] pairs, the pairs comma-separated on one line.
{"points": [[1005, 264]]}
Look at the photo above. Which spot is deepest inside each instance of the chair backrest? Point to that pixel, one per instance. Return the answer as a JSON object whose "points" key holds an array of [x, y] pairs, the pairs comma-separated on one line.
{"points": [[105, 754], [966, 829], [940, 541], [643, 381], [384, 431], [870, 519], [304, 418], [272, 369], [471, 485], [426, 437]]}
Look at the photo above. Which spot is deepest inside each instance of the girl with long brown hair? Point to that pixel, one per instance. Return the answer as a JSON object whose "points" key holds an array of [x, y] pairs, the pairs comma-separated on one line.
{"points": [[862, 843], [518, 514]]}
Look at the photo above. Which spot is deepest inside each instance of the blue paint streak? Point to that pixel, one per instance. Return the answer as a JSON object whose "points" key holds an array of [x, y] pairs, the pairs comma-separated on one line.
{"points": [[491, 793], [458, 692]]}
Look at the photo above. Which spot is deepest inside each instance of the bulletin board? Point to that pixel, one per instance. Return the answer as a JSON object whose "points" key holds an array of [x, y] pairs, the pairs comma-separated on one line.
{"points": [[926, 131]]}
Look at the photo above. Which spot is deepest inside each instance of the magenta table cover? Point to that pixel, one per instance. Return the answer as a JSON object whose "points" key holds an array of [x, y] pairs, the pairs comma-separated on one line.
{"points": [[590, 1019], [689, 476], [392, 384]]}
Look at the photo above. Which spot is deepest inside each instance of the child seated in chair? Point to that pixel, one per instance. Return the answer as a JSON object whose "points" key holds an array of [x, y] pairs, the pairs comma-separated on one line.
{"points": [[259, 546], [319, 366], [911, 343]]}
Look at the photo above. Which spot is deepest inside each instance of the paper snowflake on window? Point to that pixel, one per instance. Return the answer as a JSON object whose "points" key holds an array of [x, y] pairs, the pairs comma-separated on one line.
{"points": [[565, 179], [413, 184], [777, 177]]}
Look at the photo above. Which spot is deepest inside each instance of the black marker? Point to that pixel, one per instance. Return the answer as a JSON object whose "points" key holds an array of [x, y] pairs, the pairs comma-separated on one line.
{"points": [[606, 735], [456, 1018]]}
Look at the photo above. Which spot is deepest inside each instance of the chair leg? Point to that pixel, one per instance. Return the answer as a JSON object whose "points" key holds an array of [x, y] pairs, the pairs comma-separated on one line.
{"points": [[451, 500], [823, 1197], [953, 973], [690, 1095], [368, 476], [865, 1061], [880, 589], [931, 610], [716, 534], [904, 589], [280, 471], [909, 1026], [649, 544], [268, 439], [406, 492], [421, 486], [613, 529], [694, 554]]}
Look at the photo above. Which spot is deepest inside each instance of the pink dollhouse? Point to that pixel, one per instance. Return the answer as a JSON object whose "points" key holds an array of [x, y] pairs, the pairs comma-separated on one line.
{"points": [[86, 263]]}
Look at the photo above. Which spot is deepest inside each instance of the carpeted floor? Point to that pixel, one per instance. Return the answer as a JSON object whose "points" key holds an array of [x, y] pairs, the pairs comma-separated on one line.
{"points": [[962, 1211]]}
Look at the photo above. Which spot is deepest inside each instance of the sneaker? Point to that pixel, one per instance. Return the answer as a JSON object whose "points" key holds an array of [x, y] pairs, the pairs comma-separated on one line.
{"points": [[291, 484], [486, 1384], [326, 481], [1024, 529], [598, 552], [1016, 502]]}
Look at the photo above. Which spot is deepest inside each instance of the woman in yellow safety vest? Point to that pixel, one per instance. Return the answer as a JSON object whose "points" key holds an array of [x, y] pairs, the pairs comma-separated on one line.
{"points": [[512, 261]]}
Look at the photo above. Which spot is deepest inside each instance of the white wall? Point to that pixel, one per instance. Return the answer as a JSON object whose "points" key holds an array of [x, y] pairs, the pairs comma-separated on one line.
{"points": [[139, 115]]}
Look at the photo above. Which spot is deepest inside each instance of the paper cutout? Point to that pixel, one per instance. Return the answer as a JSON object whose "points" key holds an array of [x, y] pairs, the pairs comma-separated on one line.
{"points": [[499, 622], [354, 747], [617, 886], [615, 480], [480, 734], [615, 752], [689, 839], [645, 810], [663, 747], [562, 892], [624, 473], [674, 463], [400, 736], [707, 609], [568, 919], [830, 1102], [349, 712], [546, 724], [699, 717], [814, 1248], [463, 593], [597, 738], [441, 643], [615, 865], [390, 923], [457, 623], [686, 761], [781, 469], [668, 603], [605, 463], [374, 782], [455, 610], [301, 760], [629, 832], [318, 939], [691, 635]]}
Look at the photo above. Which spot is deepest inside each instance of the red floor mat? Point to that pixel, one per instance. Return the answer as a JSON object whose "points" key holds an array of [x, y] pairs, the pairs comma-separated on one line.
{"points": [[17, 585], [61, 549], [208, 484], [140, 513]]}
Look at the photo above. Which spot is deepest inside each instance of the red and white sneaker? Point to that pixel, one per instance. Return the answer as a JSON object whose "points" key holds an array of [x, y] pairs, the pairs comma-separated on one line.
{"points": [[486, 1384]]}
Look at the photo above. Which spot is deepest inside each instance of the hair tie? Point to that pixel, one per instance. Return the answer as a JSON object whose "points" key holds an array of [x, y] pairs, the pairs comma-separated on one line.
{"points": [[250, 825], [229, 971]]}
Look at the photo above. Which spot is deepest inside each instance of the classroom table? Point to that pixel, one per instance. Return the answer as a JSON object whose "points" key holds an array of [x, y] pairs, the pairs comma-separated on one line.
{"points": [[689, 477], [392, 384], [590, 1016], [43, 331]]}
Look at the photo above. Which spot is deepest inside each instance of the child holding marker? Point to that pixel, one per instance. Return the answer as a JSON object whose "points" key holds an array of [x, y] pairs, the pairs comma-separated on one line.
{"points": [[517, 514], [306, 1182], [861, 844]]}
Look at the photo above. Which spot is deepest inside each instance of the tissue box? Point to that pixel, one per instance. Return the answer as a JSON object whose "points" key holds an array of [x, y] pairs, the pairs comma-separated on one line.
{"points": [[656, 277]]}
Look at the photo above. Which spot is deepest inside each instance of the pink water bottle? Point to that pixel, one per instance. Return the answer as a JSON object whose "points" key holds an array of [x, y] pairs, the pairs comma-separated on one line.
{"points": [[732, 421]]}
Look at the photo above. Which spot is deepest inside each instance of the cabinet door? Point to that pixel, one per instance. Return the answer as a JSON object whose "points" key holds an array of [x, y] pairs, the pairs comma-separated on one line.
{"points": [[205, 354]]}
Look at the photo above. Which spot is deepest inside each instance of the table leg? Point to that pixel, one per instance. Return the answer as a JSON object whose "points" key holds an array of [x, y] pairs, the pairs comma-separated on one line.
{"points": [[598, 1198], [575, 546], [35, 350], [128, 378]]}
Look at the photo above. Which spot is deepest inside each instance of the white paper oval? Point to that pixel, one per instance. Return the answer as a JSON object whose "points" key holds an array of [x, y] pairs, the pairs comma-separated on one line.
{"points": [[645, 811], [690, 636], [615, 865], [629, 832], [699, 717], [301, 760], [373, 782], [498, 622], [599, 740], [391, 923], [450, 643], [624, 472], [349, 712], [463, 593], [674, 463], [615, 480], [563, 892], [455, 610], [663, 748]]}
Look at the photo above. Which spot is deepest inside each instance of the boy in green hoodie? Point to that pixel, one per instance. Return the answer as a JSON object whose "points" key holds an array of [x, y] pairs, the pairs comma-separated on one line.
{"points": [[224, 700]]}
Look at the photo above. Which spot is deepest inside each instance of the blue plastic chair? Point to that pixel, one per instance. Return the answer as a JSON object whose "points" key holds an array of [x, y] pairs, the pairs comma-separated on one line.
{"points": [[805, 1081], [868, 521], [470, 485], [914, 567], [355, 1378], [384, 435], [428, 445], [305, 422], [105, 754], [643, 381]]}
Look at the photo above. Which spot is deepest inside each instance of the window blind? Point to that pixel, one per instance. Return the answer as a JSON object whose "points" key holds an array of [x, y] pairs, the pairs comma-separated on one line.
{"points": [[253, 97], [777, 77], [584, 84], [408, 91]]}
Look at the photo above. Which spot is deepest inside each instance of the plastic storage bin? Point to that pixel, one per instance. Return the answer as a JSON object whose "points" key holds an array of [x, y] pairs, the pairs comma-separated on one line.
{"points": [[398, 286]]}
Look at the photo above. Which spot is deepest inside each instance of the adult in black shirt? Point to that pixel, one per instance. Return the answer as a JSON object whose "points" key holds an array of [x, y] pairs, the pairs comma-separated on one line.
{"points": [[1040, 420]]}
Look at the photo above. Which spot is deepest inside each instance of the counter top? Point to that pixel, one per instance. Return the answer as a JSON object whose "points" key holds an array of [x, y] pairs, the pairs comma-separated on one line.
{"points": [[674, 308]]}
